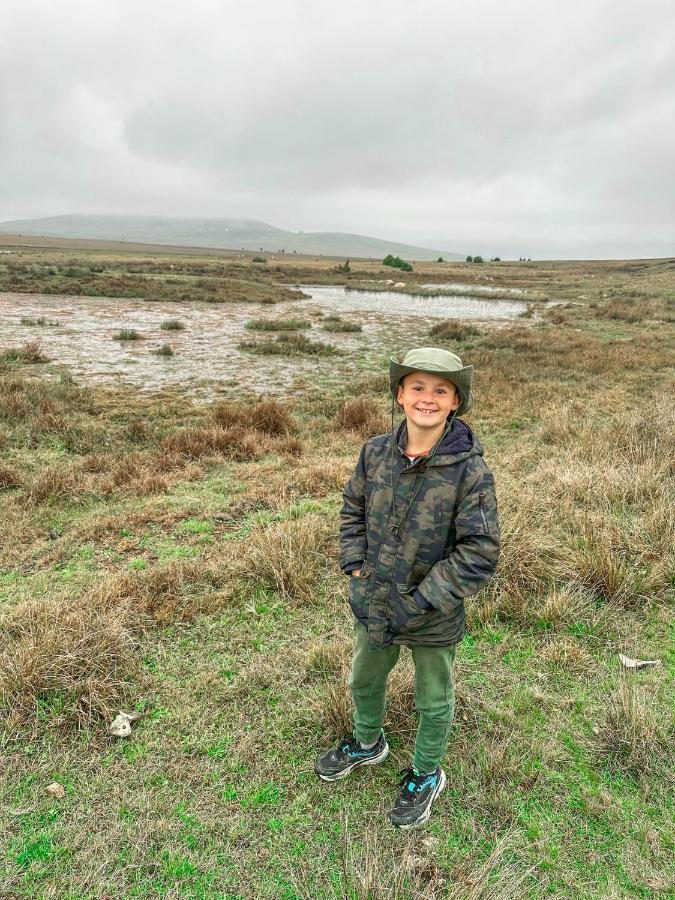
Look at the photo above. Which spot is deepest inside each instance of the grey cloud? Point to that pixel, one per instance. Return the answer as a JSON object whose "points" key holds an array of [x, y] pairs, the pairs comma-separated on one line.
{"points": [[396, 119]]}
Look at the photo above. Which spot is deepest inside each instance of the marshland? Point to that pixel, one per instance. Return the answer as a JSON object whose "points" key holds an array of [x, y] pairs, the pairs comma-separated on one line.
{"points": [[169, 545]]}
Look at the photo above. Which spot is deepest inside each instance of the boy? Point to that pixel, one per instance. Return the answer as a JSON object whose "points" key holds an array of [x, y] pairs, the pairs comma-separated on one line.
{"points": [[418, 533]]}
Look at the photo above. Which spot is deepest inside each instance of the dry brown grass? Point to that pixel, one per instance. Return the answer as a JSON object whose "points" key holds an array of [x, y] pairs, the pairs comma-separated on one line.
{"points": [[569, 656], [232, 443], [631, 737], [362, 416], [453, 330], [30, 352], [319, 479], [74, 657], [8, 477], [267, 416], [289, 557]]}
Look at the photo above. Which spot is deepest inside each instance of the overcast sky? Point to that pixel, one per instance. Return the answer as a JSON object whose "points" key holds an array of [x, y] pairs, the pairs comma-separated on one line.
{"points": [[528, 126]]}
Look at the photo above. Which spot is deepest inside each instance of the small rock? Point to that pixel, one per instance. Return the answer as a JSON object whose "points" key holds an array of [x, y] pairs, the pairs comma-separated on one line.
{"points": [[121, 724], [55, 790]]}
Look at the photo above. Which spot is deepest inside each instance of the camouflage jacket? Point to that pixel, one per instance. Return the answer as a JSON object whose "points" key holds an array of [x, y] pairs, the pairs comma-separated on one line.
{"points": [[445, 549]]}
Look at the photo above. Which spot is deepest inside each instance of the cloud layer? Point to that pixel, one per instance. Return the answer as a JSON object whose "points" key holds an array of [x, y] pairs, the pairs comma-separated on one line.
{"points": [[539, 128]]}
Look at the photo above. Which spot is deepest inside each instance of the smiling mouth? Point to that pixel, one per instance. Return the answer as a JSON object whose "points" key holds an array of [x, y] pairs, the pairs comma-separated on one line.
{"points": [[427, 412]]}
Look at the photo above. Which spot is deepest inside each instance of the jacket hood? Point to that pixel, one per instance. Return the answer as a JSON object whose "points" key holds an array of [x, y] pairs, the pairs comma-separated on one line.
{"points": [[460, 442]]}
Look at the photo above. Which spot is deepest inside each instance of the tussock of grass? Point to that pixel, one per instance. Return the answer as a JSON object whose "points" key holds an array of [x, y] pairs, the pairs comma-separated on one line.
{"points": [[165, 350], [71, 660], [568, 656], [289, 345], [363, 416], [233, 443], [289, 557], [127, 334], [266, 416], [8, 477], [30, 352], [320, 479], [172, 325], [277, 324], [338, 325], [453, 330], [631, 738]]}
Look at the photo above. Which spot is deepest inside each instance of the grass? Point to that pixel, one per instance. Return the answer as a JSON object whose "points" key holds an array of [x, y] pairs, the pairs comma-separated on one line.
{"points": [[127, 334], [289, 345], [337, 324], [172, 325], [277, 324], [179, 558], [164, 350]]}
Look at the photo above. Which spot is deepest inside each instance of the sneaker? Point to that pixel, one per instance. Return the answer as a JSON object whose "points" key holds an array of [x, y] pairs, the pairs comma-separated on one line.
{"points": [[349, 755], [418, 792]]}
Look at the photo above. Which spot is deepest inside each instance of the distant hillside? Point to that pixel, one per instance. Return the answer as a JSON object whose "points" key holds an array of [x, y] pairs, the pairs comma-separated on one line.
{"points": [[231, 234]]}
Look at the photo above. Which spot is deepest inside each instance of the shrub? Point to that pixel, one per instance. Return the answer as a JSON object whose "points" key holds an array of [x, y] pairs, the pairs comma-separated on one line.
{"points": [[397, 263], [259, 259], [631, 738], [172, 325], [127, 334]]}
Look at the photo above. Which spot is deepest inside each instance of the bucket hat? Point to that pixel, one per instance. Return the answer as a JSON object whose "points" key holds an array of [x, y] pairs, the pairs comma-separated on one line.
{"points": [[436, 362]]}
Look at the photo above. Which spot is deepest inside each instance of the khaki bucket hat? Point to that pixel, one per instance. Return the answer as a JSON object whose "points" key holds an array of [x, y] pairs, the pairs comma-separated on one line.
{"points": [[436, 362]]}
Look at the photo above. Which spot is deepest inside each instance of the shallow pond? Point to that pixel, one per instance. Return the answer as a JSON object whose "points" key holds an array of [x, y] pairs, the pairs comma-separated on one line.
{"points": [[207, 360], [398, 303]]}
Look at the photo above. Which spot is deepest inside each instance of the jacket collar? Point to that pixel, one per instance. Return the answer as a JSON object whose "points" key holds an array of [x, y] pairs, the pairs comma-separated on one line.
{"points": [[460, 439]]}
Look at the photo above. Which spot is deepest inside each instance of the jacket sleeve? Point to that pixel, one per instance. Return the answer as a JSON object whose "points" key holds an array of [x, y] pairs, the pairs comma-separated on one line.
{"points": [[353, 543], [474, 559]]}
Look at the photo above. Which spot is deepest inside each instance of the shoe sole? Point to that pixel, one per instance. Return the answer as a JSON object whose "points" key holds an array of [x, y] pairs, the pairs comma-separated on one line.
{"points": [[427, 812], [381, 756]]}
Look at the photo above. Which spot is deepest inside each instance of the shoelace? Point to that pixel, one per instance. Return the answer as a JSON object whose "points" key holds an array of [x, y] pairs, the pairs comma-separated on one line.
{"points": [[409, 778]]}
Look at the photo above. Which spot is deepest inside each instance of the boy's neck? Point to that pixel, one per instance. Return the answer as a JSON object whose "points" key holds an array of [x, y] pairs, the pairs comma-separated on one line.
{"points": [[421, 440]]}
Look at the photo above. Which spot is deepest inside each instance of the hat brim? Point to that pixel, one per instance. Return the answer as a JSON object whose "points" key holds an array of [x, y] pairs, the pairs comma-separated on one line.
{"points": [[461, 378]]}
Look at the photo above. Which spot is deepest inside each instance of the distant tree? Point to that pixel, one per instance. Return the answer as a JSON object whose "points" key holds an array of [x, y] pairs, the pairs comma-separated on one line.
{"points": [[469, 259], [495, 259], [346, 267], [397, 263], [478, 259], [440, 259]]}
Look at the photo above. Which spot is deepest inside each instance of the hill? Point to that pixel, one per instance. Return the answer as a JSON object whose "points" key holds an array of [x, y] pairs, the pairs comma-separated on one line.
{"points": [[225, 233]]}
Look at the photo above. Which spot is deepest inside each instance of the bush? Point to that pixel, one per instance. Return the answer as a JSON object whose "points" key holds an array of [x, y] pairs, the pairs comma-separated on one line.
{"points": [[259, 259], [397, 263], [172, 325]]}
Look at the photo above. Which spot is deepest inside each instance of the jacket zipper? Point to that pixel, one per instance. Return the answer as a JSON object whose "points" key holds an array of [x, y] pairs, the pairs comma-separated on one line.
{"points": [[481, 500]]}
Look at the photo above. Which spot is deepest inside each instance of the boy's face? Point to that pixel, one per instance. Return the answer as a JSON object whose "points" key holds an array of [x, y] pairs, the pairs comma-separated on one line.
{"points": [[427, 400]]}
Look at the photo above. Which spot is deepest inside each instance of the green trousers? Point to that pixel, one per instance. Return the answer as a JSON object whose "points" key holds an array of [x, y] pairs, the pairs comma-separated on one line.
{"points": [[434, 695]]}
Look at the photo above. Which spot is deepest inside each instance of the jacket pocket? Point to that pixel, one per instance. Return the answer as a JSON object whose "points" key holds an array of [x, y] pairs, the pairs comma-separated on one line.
{"points": [[358, 592], [406, 614]]}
